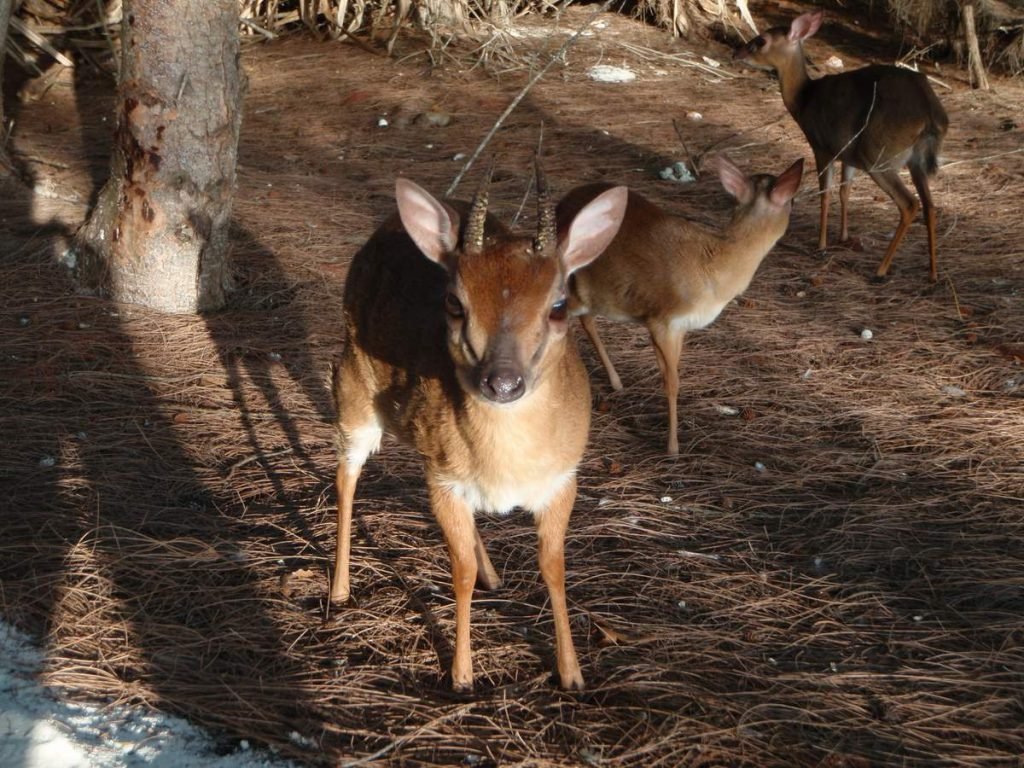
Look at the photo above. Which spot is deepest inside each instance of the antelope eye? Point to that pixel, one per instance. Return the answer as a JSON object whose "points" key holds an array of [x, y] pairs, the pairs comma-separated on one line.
{"points": [[453, 306], [559, 310]]}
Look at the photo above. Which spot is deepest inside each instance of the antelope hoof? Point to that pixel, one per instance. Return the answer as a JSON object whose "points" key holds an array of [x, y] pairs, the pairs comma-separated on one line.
{"points": [[339, 594], [462, 686], [572, 682], [488, 582], [879, 279]]}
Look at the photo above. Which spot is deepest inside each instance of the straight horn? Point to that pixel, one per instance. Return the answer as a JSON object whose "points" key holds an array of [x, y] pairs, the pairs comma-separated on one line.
{"points": [[474, 237], [547, 234]]}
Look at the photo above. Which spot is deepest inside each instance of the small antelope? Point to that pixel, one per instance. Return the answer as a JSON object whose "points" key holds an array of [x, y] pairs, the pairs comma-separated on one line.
{"points": [[878, 118], [673, 275], [458, 344]]}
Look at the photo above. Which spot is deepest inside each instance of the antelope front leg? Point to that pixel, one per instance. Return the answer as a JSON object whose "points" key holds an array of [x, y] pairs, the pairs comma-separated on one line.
{"points": [[348, 476], [456, 520], [824, 164], [551, 525], [587, 321], [668, 346]]}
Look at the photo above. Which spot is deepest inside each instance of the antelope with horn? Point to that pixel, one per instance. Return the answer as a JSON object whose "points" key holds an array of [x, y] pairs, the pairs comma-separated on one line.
{"points": [[458, 343]]}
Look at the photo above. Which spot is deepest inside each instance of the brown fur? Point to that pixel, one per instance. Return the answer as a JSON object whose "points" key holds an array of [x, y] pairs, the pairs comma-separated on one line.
{"points": [[673, 275], [427, 376]]}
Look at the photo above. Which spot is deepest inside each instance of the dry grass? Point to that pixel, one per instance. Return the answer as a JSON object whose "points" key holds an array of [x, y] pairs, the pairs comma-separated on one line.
{"points": [[48, 29], [168, 511]]}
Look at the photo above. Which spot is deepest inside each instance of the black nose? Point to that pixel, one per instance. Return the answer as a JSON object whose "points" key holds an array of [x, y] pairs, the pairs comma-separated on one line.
{"points": [[502, 385]]}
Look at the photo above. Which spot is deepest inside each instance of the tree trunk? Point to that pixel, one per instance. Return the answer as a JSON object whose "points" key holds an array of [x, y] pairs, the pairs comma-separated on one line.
{"points": [[979, 79], [6, 168], [159, 233]]}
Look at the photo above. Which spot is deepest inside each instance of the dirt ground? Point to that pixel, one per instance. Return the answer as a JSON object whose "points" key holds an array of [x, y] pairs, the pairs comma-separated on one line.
{"points": [[830, 573]]}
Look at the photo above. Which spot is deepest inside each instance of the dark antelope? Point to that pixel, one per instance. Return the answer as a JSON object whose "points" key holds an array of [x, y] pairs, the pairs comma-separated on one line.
{"points": [[878, 118]]}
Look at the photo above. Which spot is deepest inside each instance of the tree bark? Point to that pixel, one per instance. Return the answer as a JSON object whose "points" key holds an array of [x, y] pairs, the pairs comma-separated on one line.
{"points": [[979, 78], [159, 233], [6, 167]]}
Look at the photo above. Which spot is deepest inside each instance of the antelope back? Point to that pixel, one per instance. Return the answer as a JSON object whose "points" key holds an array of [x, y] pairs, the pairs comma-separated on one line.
{"points": [[633, 279], [661, 265]]}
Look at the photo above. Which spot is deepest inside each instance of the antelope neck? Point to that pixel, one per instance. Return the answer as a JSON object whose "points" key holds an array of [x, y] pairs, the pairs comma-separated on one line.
{"points": [[793, 80]]}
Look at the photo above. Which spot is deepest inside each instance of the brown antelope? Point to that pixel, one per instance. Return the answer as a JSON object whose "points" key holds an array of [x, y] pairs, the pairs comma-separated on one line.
{"points": [[673, 275], [458, 344], [878, 118]]}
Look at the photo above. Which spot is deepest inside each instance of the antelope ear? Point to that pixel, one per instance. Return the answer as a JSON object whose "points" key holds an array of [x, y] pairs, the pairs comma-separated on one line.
{"points": [[734, 181], [805, 25], [592, 229], [787, 183], [432, 225]]}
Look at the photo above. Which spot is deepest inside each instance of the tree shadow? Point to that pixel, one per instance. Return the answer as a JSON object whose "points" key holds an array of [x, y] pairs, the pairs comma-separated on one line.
{"points": [[259, 335], [116, 549]]}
